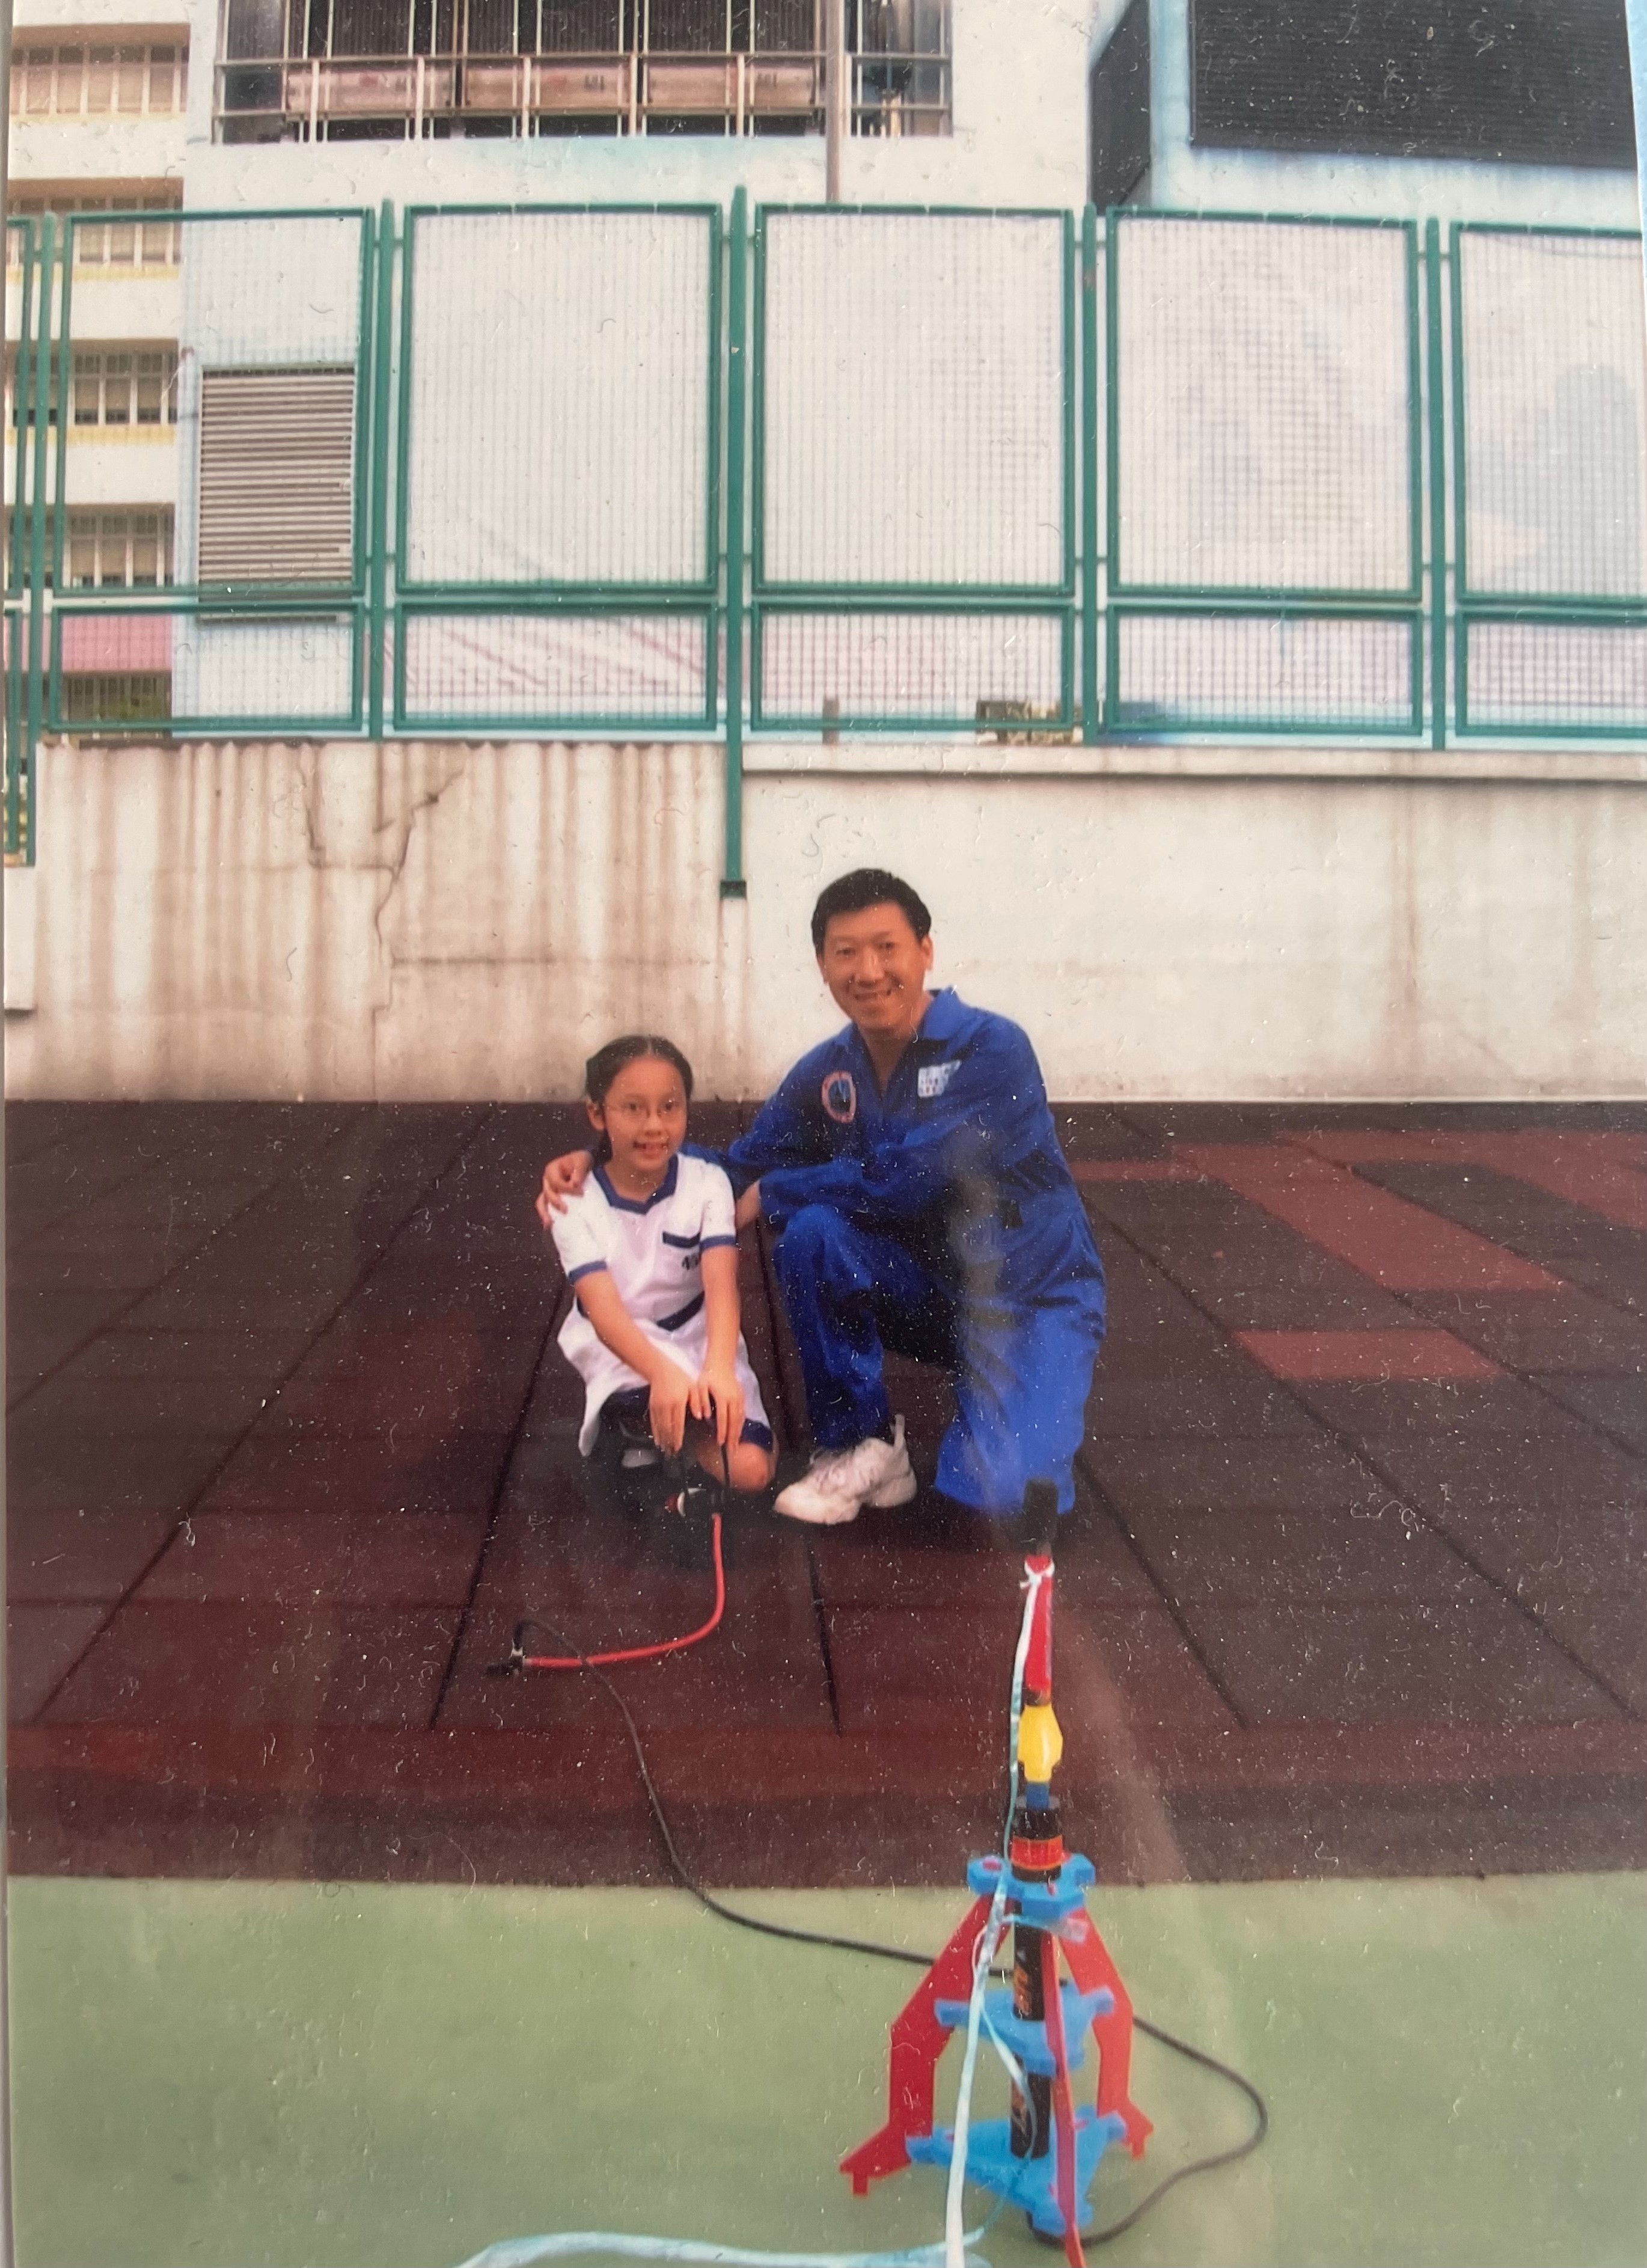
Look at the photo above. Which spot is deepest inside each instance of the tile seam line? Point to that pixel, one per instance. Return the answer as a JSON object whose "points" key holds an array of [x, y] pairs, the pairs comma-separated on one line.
{"points": [[1529, 1377], [1250, 1196], [126, 1109], [187, 1514], [782, 1385], [821, 1622], [1547, 1183], [124, 1182], [1166, 1598], [494, 1511], [1535, 1379], [112, 1321], [1439, 1527], [780, 1369], [1565, 1282], [1347, 1442], [790, 1437], [1354, 1754]]}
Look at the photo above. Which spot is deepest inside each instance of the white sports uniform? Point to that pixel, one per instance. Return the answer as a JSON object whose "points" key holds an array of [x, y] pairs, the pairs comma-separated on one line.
{"points": [[653, 1250]]}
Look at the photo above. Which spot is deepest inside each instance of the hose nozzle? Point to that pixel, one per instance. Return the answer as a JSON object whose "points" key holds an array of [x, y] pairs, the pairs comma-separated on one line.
{"points": [[514, 1663], [1040, 1519]]}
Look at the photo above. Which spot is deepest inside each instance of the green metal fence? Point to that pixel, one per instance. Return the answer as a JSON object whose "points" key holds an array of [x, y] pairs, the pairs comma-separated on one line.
{"points": [[914, 524], [1264, 559], [643, 471], [558, 469], [1550, 458], [247, 439]]}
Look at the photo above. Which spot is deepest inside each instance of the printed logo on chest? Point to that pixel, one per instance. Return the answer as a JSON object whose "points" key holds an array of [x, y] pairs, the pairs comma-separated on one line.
{"points": [[839, 1096], [933, 1078]]}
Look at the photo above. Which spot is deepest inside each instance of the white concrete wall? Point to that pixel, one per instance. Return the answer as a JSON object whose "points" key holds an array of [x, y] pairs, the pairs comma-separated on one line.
{"points": [[436, 920]]}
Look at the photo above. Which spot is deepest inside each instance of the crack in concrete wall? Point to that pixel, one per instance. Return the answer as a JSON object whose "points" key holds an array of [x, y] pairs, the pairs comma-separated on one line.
{"points": [[437, 920], [404, 826]]}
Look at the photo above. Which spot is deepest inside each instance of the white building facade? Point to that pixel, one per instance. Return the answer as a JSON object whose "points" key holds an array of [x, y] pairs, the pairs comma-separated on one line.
{"points": [[477, 569]]}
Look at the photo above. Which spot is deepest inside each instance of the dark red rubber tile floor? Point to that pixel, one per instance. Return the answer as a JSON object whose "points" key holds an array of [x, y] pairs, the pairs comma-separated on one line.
{"points": [[1357, 1580]]}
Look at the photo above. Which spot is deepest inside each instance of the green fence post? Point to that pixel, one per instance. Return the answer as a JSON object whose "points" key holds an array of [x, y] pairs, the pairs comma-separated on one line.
{"points": [[62, 381], [16, 572], [42, 375], [1091, 712], [14, 732], [1437, 489], [377, 565], [732, 883], [22, 380], [1112, 463]]}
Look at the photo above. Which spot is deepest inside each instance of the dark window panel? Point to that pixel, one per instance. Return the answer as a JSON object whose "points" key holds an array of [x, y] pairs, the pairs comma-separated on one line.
{"points": [[252, 28], [1530, 82]]}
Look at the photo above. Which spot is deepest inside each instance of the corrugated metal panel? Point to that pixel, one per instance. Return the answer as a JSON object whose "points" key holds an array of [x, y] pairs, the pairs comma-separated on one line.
{"points": [[276, 476]]}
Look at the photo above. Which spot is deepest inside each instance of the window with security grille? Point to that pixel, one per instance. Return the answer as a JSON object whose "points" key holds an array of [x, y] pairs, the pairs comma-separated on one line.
{"points": [[26, 407], [129, 550], [118, 550], [101, 243], [83, 79], [340, 70], [125, 386], [277, 475], [1545, 82], [116, 696]]}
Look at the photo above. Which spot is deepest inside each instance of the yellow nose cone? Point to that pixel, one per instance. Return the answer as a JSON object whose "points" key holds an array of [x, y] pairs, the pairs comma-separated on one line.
{"points": [[1039, 1742]]}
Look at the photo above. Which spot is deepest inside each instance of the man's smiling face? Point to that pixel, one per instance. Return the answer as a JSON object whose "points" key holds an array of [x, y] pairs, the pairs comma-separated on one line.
{"points": [[876, 968]]}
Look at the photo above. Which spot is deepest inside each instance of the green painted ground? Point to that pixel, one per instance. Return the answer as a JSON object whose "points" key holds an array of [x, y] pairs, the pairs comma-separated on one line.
{"points": [[242, 2073]]}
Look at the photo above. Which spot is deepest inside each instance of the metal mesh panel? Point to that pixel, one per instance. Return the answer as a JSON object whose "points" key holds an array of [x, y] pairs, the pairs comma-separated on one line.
{"points": [[1263, 413], [1555, 677], [870, 668], [1339, 673], [150, 668], [263, 294], [560, 404], [913, 375], [555, 669], [271, 291], [1554, 355]]}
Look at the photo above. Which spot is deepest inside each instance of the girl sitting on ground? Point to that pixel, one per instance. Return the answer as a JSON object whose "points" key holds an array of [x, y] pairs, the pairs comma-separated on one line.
{"points": [[650, 1250]]}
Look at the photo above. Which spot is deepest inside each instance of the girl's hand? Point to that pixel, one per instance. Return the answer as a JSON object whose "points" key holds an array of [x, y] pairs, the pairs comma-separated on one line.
{"points": [[748, 1206], [717, 1397], [672, 1395], [562, 1177]]}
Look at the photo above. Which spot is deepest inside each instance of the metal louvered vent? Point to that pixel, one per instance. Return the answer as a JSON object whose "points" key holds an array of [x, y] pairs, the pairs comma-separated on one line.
{"points": [[276, 476]]}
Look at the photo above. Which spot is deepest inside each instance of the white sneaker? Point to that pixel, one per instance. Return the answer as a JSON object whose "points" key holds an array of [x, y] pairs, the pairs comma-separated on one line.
{"points": [[841, 1481], [637, 1459]]}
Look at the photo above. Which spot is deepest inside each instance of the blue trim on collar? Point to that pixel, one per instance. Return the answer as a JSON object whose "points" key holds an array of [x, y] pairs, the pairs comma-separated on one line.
{"points": [[943, 1018], [664, 1190]]}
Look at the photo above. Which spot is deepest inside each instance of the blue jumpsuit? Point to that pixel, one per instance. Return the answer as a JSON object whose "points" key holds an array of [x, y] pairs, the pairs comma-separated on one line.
{"points": [[939, 1220]]}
